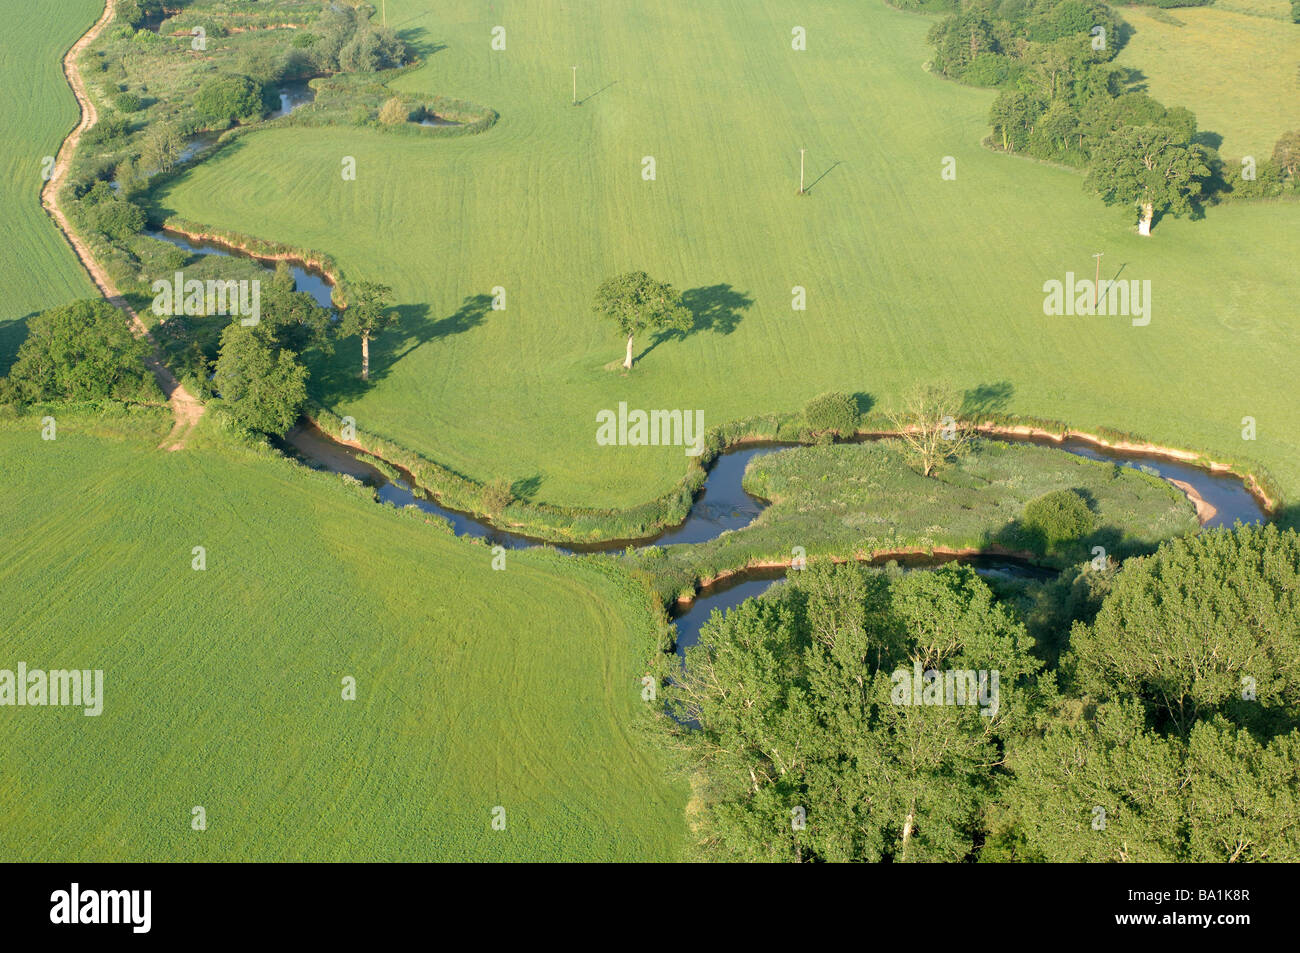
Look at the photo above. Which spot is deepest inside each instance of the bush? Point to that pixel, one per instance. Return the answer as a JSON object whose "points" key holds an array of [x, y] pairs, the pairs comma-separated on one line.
{"points": [[108, 130], [1058, 518], [832, 413], [394, 111], [118, 218], [226, 99], [127, 102], [497, 495], [1295, 11]]}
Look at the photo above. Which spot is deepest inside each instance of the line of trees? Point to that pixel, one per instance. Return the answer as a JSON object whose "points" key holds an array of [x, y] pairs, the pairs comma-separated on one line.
{"points": [[1061, 99], [85, 351], [259, 374], [1170, 731]]}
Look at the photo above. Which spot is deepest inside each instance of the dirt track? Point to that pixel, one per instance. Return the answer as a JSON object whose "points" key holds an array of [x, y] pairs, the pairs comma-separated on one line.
{"points": [[185, 407]]}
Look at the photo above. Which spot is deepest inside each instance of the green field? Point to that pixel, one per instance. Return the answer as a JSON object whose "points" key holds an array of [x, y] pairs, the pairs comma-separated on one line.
{"points": [[476, 688], [37, 268], [1238, 69], [908, 276]]}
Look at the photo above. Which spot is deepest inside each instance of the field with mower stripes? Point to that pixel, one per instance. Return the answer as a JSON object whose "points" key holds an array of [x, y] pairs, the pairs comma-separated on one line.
{"points": [[909, 277], [37, 268]]}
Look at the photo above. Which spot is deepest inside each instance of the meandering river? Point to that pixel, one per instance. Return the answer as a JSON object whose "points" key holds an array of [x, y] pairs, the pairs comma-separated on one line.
{"points": [[723, 504]]}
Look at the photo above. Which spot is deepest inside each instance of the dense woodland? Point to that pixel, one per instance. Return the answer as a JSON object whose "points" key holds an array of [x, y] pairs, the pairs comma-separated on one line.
{"points": [[1167, 732]]}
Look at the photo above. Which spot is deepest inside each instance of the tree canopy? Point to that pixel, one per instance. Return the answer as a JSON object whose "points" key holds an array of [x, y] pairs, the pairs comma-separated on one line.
{"points": [[80, 351]]}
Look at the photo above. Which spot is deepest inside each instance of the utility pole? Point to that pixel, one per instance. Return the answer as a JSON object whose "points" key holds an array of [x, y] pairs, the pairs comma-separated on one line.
{"points": [[575, 86], [1096, 285], [801, 152]]}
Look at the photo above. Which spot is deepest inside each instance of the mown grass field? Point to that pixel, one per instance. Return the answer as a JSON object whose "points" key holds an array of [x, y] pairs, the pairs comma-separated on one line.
{"points": [[850, 500], [476, 688], [909, 277], [37, 109], [1237, 69]]}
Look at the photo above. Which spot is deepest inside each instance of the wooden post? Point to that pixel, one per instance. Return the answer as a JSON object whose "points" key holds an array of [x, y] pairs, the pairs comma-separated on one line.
{"points": [[801, 152], [575, 86]]}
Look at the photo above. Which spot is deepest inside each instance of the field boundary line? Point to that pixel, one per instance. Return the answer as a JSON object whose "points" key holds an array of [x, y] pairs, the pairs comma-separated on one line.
{"points": [[185, 407]]}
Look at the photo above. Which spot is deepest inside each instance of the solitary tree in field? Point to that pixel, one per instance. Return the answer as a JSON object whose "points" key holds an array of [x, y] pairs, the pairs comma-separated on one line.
{"points": [[368, 314], [1149, 166], [928, 426], [637, 302]]}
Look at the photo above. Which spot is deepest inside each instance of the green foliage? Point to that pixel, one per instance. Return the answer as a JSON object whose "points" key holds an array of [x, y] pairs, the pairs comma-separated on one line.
{"points": [[262, 387], [1150, 167], [127, 102], [833, 412], [118, 218], [226, 99], [1188, 630], [394, 111], [348, 41], [636, 302], [497, 496], [1286, 153], [162, 147], [796, 696], [110, 130], [1058, 518], [80, 351]]}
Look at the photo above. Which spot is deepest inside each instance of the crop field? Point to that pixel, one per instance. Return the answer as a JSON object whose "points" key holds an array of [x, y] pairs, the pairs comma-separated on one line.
{"points": [[222, 687], [1237, 69], [37, 269], [908, 276]]}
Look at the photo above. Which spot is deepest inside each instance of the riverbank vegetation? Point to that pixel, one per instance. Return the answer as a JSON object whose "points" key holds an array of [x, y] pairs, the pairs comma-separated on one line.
{"points": [[848, 501], [829, 727]]}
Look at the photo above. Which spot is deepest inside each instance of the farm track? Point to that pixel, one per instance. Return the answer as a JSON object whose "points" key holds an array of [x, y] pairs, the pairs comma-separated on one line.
{"points": [[185, 407]]}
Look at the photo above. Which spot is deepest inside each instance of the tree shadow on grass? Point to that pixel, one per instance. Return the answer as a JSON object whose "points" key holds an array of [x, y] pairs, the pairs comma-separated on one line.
{"points": [[12, 335], [526, 488], [987, 399], [340, 378], [717, 308]]}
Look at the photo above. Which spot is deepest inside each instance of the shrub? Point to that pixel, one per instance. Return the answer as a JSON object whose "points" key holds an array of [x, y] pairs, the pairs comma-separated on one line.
{"points": [[497, 496], [226, 99], [118, 218], [1058, 518], [108, 130], [127, 102], [394, 111], [832, 413]]}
